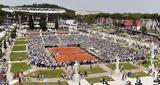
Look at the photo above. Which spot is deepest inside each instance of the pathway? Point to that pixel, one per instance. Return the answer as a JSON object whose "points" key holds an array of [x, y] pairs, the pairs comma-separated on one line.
{"points": [[19, 51], [19, 61]]}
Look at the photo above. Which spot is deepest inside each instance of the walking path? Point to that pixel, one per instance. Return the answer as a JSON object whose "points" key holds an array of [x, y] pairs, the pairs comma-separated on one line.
{"points": [[19, 61], [145, 80], [19, 44], [19, 51]]}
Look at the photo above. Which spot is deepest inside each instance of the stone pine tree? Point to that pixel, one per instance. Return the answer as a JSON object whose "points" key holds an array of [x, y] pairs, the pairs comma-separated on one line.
{"points": [[56, 24], [42, 22], [5, 44], [31, 22], [13, 33], [1, 55], [144, 29], [8, 40]]}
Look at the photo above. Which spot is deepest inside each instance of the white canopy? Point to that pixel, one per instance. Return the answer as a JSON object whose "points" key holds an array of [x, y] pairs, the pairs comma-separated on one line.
{"points": [[33, 10]]}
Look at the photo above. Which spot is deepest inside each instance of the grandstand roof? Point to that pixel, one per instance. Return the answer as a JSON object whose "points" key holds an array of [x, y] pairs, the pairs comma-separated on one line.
{"points": [[33, 10]]}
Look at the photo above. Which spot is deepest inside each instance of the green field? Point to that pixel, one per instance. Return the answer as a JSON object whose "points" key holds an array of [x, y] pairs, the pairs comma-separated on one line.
{"points": [[46, 83], [94, 69], [109, 30], [149, 63], [49, 73], [148, 55], [17, 67], [22, 38], [19, 48], [20, 42], [139, 74], [15, 56], [95, 80], [126, 66]]}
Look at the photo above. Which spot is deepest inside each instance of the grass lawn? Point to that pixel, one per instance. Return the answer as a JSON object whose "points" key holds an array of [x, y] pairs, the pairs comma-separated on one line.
{"points": [[94, 69], [49, 73], [109, 30], [97, 79], [17, 67], [40, 83], [22, 38], [19, 48], [126, 66], [148, 55], [18, 55], [139, 74], [20, 42], [148, 62]]}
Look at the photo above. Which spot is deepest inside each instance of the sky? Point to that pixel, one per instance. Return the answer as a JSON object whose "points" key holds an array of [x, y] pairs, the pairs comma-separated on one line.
{"points": [[111, 6]]}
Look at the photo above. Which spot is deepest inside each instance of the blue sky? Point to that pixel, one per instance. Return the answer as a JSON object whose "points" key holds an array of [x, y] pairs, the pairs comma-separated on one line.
{"points": [[142, 6]]}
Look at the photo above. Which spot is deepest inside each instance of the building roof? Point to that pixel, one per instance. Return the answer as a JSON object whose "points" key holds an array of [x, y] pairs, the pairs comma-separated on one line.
{"points": [[33, 10]]}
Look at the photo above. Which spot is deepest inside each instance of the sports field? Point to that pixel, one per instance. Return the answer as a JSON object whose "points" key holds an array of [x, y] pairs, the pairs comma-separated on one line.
{"points": [[70, 54]]}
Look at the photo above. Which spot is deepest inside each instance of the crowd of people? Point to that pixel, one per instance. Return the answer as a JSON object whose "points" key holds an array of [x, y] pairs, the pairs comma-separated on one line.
{"points": [[37, 54], [104, 49], [107, 50], [3, 77]]}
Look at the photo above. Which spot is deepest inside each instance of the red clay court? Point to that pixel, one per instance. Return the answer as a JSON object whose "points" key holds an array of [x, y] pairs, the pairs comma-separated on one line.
{"points": [[70, 54]]}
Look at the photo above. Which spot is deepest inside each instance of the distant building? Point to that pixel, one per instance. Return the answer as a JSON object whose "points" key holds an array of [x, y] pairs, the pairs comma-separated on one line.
{"points": [[87, 12]]}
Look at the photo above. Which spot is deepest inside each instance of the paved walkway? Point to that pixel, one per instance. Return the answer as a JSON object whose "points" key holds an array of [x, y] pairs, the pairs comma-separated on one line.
{"points": [[19, 51], [145, 80], [19, 61], [19, 44]]}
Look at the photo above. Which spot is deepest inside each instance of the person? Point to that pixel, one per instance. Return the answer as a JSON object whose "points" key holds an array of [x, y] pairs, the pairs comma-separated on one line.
{"points": [[91, 83], [138, 81], [59, 82], [19, 80], [85, 73], [128, 83], [158, 80], [129, 73], [123, 75], [103, 80], [106, 83]]}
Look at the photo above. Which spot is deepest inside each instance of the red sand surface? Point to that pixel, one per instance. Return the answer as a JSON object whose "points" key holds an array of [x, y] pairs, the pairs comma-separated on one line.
{"points": [[69, 54]]}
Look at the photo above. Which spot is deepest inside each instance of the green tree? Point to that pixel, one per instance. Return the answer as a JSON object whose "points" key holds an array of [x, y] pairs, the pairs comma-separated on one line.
{"points": [[31, 22], [90, 19], [145, 18], [155, 18], [42, 22], [5, 44], [117, 16], [103, 15], [56, 24], [144, 29], [13, 32], [67, 15]]}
